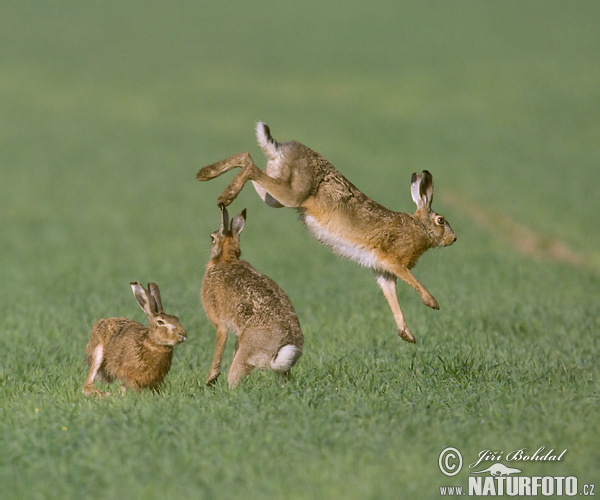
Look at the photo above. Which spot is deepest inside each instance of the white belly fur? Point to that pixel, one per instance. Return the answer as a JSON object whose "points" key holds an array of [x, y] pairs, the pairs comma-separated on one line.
{"points": [[340, 245]]}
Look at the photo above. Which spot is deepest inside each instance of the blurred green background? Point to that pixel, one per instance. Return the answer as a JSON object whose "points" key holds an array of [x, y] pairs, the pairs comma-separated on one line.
{"points": [[107, 111]]}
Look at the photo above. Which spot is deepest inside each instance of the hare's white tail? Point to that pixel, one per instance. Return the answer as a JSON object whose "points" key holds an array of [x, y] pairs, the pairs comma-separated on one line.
{"points": [[266, 141], [286, 357]]}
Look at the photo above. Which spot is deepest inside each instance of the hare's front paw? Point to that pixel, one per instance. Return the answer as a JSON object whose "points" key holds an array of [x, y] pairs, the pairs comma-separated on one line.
{"points": [[87, 392], [212, 377], [430, 301], [406, 335]]}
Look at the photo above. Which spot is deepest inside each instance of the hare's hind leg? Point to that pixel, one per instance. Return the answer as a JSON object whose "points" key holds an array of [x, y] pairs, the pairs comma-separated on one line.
{"points": [[215, 369], [230, 193], [276, 192], [95, 363], [388, 286], [239, 367], [211, 171]]}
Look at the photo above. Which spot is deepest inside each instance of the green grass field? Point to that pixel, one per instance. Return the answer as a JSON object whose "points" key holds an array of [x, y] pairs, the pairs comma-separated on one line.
{"points": [[107, 111]]}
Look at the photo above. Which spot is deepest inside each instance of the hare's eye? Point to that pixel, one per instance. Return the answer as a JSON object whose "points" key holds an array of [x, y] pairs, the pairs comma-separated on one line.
{"points": [[440, 221], [160, 322]]}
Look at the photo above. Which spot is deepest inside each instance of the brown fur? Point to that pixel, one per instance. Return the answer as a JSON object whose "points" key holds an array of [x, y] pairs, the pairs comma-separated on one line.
{"points": [[238, 298], [339, 215], [125, 350]]}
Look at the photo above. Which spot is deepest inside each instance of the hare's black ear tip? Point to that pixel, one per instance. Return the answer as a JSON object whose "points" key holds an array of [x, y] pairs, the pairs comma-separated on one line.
{"points": [[243, 213], [134, 283], [414, 177]]}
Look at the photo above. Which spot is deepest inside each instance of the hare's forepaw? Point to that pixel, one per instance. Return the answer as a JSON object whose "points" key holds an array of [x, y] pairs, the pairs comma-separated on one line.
{"points": [[430, 301], [211, 378], [89, 391], [405, 334]]}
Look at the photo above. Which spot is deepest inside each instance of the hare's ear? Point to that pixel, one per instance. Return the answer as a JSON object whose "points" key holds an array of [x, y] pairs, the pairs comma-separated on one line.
{"points": [[145, 301], [224, 220], [415, 189], [155, 292], [427, 187], [238, 223], [421, 189]]}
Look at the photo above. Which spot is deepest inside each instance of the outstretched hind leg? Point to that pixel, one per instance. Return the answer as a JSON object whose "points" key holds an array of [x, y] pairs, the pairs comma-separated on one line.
{"points": [[243, 161], [288, 192], [275, 192], [211, 171]]}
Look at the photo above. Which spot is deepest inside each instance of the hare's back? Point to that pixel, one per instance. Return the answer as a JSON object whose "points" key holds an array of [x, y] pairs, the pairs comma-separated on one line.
{"points": [[114, 331], [249, 298]]}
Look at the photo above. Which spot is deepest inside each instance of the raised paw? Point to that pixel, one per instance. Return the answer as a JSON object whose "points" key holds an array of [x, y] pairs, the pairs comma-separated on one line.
{"points": [[430, 301], [405, 334]]}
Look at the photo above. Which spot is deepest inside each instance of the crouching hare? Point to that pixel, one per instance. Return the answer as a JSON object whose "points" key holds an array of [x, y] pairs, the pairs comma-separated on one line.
{"points": [[238, 298], [340, 216], [136, 355]]}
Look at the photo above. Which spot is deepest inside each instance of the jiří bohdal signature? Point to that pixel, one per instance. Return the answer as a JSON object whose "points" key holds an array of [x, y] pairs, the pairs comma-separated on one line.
{"points": [[520, 455]]}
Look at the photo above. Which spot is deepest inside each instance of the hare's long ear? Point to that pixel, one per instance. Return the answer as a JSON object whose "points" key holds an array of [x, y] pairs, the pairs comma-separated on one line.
{"points": [[427, 187], [415, 190], [421, 189], [238, 223], [145, 300], [224, 220], [155, 292]]}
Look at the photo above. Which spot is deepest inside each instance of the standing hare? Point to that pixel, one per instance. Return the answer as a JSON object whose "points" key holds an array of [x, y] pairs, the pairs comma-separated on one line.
{"points": [[237, 297], [140, 357], [340, 216]]}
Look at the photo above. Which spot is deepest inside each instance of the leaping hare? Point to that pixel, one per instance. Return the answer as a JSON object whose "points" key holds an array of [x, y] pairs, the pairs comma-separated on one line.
{"points": [[123, 349], [238, 298], [340, 216]]}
